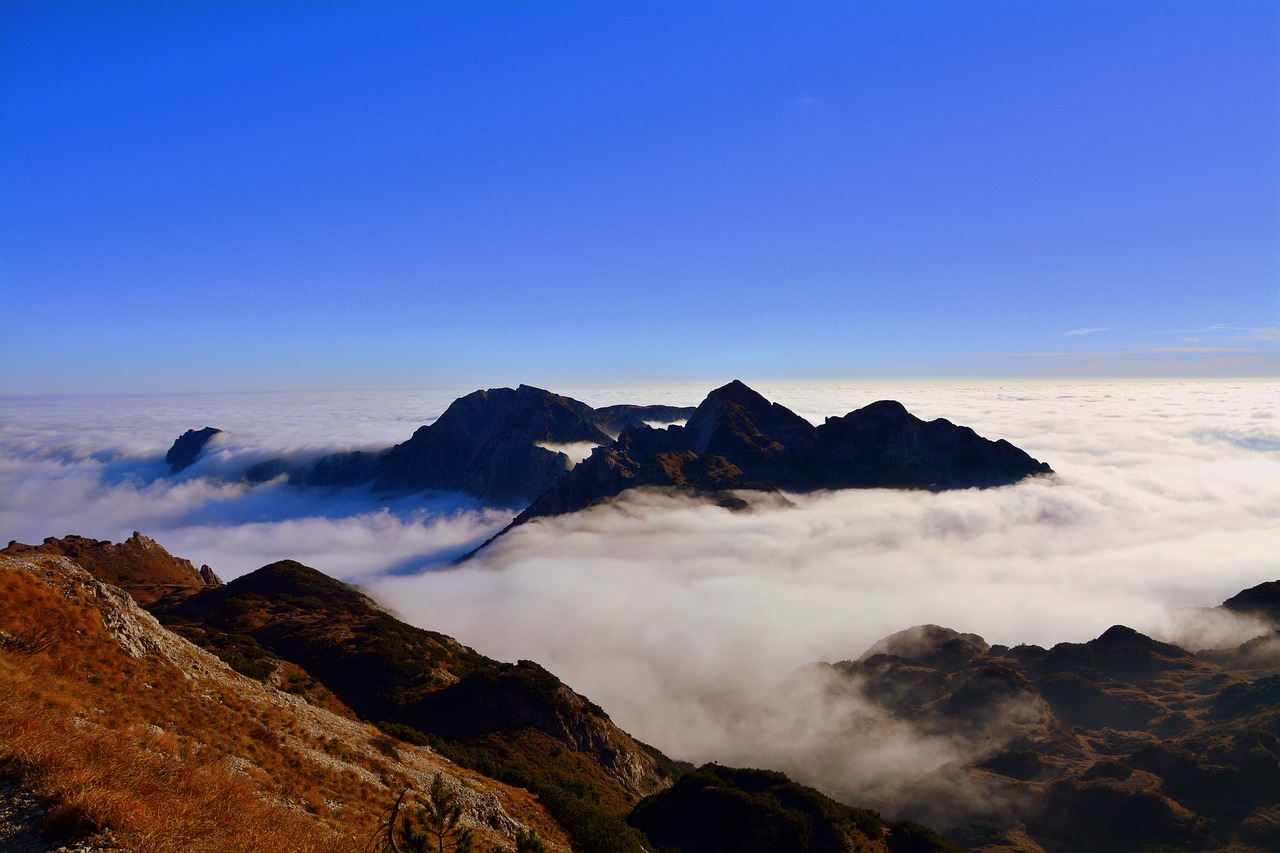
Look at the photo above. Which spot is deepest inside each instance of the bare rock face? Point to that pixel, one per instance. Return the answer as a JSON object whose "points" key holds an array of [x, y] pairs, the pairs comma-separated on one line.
{"points": [[139, 565], [187, 448], [614, 419], [486, 444], [883, 445], [736, 439]]}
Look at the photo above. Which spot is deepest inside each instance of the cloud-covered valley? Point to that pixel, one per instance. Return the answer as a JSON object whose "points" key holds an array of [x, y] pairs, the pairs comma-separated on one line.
{"points": [[689, 623]]}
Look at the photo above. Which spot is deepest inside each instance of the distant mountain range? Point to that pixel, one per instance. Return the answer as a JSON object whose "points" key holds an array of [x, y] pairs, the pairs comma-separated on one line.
{"points": [[501, 445]]}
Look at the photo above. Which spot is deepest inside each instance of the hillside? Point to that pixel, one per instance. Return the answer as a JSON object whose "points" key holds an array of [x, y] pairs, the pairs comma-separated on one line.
{"points": [[1113, 744], [144, 742], [124, 727]]}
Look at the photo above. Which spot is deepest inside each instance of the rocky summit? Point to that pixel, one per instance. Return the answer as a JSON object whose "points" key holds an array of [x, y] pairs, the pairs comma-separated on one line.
{"points": [[736, 439], [507, 446], [188, 447]]}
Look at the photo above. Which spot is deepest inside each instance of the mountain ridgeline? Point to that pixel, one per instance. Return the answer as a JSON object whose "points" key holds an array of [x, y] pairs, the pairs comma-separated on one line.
{"points": [[302, 632], [501, 445]]}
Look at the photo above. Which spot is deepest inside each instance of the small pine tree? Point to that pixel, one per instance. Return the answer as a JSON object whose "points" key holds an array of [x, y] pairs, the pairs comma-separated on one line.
{"points": [[527, 841], [434, 828]]}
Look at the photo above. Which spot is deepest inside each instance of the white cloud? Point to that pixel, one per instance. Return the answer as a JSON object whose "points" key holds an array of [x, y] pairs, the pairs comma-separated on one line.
{"points": [[688, 622], [1075, 332]]}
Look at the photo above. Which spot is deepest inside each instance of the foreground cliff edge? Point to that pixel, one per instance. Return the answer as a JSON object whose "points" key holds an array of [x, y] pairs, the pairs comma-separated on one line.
{"points": [[139, 739]]}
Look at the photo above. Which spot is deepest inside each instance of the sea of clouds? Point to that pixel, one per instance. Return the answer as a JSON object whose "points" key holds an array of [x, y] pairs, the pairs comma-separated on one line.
{"points": [[688, 622]]}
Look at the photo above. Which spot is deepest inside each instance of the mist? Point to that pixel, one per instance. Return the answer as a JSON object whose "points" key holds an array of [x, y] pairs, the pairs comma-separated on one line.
{"points": [[695, 627]]}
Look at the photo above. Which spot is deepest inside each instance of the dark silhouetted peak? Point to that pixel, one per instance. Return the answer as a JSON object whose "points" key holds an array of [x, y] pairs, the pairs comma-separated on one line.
{"points": [[717, 809], [209, 576], [1123, 652], [889, 410], [764, 445], [742, 394], [289, 577], [931, 645], [488, 444], [1262, 600], [884, 445], [187, 448], [742, 426], [615, 419]]}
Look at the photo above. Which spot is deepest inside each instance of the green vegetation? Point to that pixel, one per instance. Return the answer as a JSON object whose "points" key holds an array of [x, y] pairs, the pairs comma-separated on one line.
{"points": [[718, 809]]}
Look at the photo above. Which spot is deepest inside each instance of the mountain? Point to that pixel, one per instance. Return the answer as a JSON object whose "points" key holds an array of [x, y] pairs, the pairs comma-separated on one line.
{"points": [[1120, 743], [489, 444], [388, 671], [188, 447], [499, 445], [118, 735], [733, 810], [318, 639], [273, 728], [149, 729], [506, 446], [736, 439], [138, 564]]}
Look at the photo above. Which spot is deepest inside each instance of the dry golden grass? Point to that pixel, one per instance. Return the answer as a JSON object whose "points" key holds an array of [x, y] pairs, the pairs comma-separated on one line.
{"points": [[202, 760], [132, 745]]}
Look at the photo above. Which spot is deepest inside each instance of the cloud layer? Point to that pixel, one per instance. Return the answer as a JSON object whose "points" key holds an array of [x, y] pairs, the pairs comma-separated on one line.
{"points": [[687, 622]]}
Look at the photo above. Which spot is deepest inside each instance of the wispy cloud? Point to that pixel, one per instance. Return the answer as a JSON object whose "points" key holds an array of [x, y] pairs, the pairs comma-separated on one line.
{"points": [[1077, 332]]}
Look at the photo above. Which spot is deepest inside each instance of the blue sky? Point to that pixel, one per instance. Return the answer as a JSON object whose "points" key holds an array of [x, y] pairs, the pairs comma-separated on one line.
{"points": [[232, 195]]}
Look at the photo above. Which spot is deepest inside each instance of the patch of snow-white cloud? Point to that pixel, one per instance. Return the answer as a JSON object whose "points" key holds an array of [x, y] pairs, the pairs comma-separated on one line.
{"points": [[688, 622]]}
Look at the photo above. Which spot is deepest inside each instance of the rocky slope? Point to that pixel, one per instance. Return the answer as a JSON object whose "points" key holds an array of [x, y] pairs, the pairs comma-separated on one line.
{"points": [[295, 629], [188, 447], [386, 670], [138, 564], [135, 736], [736, 439], [1113, 744], [731, 810], [503, 445], [498, 444]]}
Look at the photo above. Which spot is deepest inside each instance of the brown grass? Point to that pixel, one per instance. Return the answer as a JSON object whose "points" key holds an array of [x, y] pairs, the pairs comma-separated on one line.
{"points": [[132, 745]]}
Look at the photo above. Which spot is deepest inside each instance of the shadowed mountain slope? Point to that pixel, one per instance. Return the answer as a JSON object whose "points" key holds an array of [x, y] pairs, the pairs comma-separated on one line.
{"points": [[718, 809], [188, 447], [1114, 744], [386, 670], [503, 445], [487, 444], [736, 439]]}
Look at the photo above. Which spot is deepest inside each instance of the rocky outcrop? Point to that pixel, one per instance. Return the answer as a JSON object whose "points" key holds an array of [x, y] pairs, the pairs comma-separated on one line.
{"points": [[187, 448], [736, 439], [486, 444], [139, 565], [884, 446], [1156, 746], [614, 419], [500, 445]]}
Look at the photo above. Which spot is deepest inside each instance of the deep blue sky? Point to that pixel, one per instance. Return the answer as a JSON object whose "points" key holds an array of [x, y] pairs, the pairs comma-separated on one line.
{"points": [[278, 194]]}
